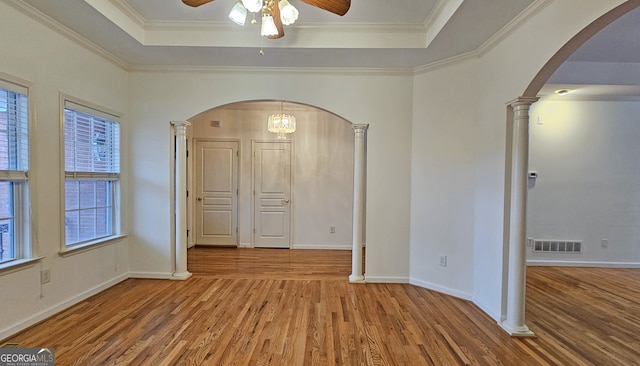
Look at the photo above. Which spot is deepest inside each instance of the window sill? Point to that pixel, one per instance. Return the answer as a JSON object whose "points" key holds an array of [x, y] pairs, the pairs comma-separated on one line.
{"points": [[17, 265], [84, 247]]}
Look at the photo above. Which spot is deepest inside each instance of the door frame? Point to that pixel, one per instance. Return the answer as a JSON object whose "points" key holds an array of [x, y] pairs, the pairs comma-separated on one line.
{"points": [[174, 189], [292, 153], [192, 188]]}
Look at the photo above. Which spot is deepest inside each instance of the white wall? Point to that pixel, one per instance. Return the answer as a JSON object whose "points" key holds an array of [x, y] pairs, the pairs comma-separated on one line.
{"points": [[586, 155], [322, 169], [382, 100], [443, 181], [470, 106], [54, 65]]}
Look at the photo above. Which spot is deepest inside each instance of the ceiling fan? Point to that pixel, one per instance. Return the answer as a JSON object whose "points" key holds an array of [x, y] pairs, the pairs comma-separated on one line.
{"points": [[277, 13]]}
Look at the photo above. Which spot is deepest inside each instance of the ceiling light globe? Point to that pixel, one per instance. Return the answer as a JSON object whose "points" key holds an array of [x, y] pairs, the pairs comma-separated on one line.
{"points": [[288, 13], [253, 6], [238, 14], [268, 26]]}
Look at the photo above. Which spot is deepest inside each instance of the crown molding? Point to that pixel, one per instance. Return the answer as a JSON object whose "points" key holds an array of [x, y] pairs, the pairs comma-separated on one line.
{"points": [[532, 10], [435, 13], [272, 70], [438, 18], [128, 11], [510, 28], [54, 25], [432, 66], [177, 25]]}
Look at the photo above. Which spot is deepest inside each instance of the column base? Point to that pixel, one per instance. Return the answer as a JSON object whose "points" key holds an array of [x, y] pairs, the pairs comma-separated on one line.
{"points": [[181, 276], [520, 331], [356, 279]]}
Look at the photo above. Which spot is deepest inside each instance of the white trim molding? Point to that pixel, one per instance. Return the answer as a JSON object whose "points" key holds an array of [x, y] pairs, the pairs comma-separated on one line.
{"points": [[151, 275], [46, 313], [386, 279], [441, 289], [557, 263]]}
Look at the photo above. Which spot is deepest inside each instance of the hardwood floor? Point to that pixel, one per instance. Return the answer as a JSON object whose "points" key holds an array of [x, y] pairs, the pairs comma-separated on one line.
{"points": [[288, 307]]}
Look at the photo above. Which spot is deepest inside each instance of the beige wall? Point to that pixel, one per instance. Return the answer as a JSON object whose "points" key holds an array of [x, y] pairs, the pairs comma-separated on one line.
{"points": [[586, 155], [474, 119], [382, 100], [322, 168], [36, 56]]}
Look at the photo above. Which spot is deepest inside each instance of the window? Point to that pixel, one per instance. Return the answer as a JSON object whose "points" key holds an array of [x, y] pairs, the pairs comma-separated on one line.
{"points": [[92, 173], [14, 166]]}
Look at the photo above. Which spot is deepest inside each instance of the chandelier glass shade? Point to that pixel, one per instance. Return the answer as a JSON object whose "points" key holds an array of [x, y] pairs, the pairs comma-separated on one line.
{"points": [[238, 14], [281, 124], [288, 14], [268, 27], [253, 6]]}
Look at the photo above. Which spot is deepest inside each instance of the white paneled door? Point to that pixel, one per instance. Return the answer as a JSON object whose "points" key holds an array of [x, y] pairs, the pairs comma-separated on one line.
{"points": [[272, 194], [216, 186]]}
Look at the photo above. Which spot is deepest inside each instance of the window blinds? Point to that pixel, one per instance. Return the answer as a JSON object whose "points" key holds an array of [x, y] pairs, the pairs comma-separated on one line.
{"points": [[14, 132], [92, 143]]}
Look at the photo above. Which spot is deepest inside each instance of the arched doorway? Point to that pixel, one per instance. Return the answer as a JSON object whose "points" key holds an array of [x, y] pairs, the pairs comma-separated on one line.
{"points": [[516, 173], [327, 173]]}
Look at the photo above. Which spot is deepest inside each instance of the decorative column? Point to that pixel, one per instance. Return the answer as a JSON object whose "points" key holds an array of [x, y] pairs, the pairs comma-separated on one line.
{"points": [[360, 132], [516, 280], [181, 272]]}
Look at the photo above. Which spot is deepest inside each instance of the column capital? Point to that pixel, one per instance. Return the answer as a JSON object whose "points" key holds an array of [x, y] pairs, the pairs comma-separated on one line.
{"points": [[363, 128], [181, 123], [523, 101]]}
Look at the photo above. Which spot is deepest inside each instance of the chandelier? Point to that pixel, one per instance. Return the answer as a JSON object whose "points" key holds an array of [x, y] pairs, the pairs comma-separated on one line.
{"points": [[281, 124], [285, 13]]}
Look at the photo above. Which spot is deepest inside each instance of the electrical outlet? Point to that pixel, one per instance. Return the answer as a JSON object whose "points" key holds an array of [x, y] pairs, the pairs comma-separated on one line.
{"points": [[604, 243], [332, 230], [45, 276], [443, 261], [529, 241]]}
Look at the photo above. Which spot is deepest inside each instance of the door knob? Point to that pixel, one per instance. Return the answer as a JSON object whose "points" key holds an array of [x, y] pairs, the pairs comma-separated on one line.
{"points": [[199, 198], [285, 201]]}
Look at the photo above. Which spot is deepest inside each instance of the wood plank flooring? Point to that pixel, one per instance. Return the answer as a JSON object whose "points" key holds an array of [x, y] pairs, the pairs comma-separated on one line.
{"points": [[288, 307]]}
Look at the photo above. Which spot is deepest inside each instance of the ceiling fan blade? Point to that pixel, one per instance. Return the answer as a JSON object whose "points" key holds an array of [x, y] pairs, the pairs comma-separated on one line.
{"points": [[340, 7], [196, 3], [274, 9]]}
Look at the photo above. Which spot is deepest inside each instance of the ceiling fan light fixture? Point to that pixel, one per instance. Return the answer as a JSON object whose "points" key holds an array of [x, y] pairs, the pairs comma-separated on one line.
{"points": [[268, 26], [238, 14], [253, 6], [288, 13]]}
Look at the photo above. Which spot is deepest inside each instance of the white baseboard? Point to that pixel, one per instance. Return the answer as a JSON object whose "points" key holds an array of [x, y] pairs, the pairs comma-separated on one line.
{"points": [[309, 246], [46, 313], [152, 275], [441, 289], [541, 262], [322, 247], [385, 279], [485, 308]]}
